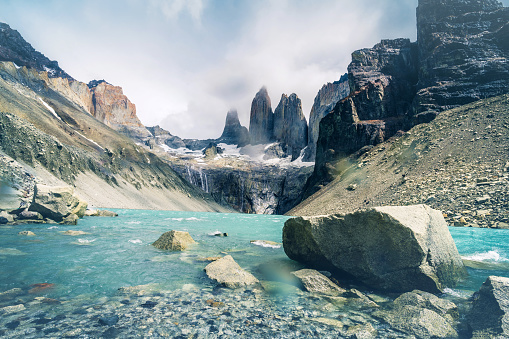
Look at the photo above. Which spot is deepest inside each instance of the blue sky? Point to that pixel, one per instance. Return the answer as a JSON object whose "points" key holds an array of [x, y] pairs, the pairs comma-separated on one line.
{"points": [[185, 63]]}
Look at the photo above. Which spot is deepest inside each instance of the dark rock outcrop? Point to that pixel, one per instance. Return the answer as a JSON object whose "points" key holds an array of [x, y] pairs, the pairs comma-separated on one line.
{"points": [[382, 83], [324, 103], [390, 248], [250, 188], [290, 126], [463, 53], [489, 316], [163, 137], [261, 122], [234, 133], [14, 48]]}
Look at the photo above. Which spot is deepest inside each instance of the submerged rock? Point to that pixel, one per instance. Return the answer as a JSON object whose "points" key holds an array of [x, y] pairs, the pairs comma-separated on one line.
{"points": [[174, 241], [390, 248], [489, 317], [74, 233], [26, 233], [228, 273], [100, 213], [314, 281]]}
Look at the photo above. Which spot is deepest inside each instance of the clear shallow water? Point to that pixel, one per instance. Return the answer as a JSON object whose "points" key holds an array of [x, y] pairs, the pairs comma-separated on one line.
{"points": [[88, 269], [117, 252]]}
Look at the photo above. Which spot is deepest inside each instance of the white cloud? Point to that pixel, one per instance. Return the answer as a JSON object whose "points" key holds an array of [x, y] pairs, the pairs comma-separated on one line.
{"points": [[172, 9]]}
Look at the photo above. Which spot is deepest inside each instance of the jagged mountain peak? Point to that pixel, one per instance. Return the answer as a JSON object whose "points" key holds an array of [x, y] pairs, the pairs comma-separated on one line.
{"points": [[95, 83], [16, 49]]}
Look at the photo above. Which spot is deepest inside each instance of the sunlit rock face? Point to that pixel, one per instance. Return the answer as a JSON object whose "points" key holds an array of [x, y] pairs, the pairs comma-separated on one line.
{"points": [[261, 123], [463, 53], [290, 125], [112, 107]]}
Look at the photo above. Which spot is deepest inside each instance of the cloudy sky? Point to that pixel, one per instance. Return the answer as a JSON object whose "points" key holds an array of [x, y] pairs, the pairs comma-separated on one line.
{"points": [[185, 63]]}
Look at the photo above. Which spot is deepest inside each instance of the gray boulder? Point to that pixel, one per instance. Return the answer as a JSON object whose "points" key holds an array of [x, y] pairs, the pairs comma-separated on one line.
{"points": [[489, 316], [417, 321], [399, 248], [314, 281], [174, 241], [443, 307], [228, 273], [57, 202], [29, 215]]}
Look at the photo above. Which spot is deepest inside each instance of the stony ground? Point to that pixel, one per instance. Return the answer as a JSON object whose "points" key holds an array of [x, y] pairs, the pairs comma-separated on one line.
{"points": [[193, 313], [458, 164]]}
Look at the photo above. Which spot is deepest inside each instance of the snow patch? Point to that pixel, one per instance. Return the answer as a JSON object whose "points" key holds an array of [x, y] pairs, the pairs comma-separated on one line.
{"points": [[50, 109], [92, 141]]}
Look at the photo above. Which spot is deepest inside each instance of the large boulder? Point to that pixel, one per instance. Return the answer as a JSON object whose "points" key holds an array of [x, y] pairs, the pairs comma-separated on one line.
{"points": [[398, 248], [57, 202], [174, 241], [228, 273], [489, 316]]}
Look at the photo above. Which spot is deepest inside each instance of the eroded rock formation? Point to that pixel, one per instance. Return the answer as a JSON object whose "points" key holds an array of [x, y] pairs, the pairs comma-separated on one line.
{"points": [[290, 125], [261, 123], [113, 108], [324, 103], [234, 133]]}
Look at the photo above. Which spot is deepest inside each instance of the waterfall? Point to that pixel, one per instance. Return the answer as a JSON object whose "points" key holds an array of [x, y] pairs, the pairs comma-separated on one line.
{"points": [[206, 184]]}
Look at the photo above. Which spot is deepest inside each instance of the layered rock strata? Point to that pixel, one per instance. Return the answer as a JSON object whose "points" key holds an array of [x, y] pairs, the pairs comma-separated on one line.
{"points": [[113, 108], [463, 53]]}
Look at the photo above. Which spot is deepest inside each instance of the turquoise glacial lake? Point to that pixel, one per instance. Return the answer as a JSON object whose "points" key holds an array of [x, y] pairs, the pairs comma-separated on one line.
{"points": [[81, 277], [117, 252]]}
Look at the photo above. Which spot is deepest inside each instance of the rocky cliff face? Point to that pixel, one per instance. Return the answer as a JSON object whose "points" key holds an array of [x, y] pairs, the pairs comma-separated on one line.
{"points": [[163, 137], [324, 102], [44, 127], [234, 133], [261, 122], [290, 126], [113, 108], [463, 53], [14, 48], [247, 187], [382, 81]]}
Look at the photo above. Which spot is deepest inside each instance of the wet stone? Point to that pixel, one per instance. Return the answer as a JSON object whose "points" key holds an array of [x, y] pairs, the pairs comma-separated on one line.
{"points": [[109, 320]]}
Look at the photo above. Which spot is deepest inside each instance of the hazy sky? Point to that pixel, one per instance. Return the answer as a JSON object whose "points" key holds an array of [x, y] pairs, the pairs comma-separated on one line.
{"points": [[185, 63]]}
